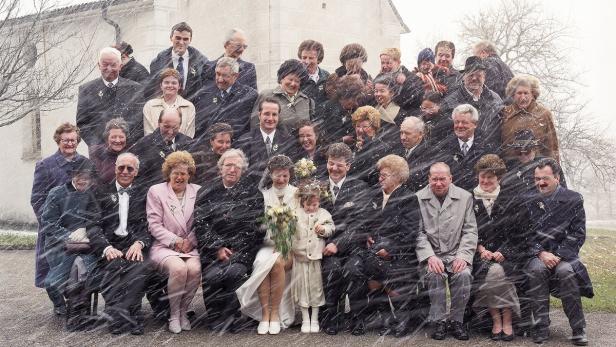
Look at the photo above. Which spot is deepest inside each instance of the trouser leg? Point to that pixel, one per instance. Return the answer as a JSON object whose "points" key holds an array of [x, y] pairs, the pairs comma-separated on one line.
{"points": [[460, 287], [331, 269], [435, 284], [357, 286], [539, 292], [569, 290]]}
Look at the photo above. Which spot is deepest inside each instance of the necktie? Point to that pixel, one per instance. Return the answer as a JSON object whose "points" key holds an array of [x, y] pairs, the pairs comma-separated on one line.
{"points": [[408, 153], [224, 94], [336, 190], [464, 148], [180, 69], [268, 145]]}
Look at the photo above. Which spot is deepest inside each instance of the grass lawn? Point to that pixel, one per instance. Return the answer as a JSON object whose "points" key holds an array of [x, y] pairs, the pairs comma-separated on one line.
{"points": [[17, 241], [599, 256]]}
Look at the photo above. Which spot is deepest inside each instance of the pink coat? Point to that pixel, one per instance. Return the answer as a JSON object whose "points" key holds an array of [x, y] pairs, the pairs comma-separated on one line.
{"points": [[166, 220]]}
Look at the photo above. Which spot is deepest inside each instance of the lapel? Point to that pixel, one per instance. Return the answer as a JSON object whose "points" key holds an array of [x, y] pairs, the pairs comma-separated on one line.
{"points": [[173, 204]]}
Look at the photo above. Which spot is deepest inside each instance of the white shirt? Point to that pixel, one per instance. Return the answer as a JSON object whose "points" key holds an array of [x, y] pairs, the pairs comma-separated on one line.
{"points": [[315, 76], [175, 58], [266, 135], [122, 212], [386, 197], [114, 82], [331, 187], [469, 143]]}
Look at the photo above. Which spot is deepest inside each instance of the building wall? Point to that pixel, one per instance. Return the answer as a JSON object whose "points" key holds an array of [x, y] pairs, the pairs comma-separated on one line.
{"points": [[274, 29]]}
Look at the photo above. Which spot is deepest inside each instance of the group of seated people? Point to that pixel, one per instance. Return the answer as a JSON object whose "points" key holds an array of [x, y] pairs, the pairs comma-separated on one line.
{"points": [[424, 181]]}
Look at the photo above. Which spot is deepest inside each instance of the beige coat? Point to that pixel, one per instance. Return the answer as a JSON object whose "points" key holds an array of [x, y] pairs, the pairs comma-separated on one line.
{"points": [[450, 229], [152, 109], [307, 245]]}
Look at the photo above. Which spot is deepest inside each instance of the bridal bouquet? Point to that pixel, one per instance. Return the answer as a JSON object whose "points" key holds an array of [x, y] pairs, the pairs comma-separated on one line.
{"points": [[304, 168], [281, 223]]}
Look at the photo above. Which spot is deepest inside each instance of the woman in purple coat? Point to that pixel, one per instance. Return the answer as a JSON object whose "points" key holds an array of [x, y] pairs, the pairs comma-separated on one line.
{"points": [[49, 173], [170, 207]]}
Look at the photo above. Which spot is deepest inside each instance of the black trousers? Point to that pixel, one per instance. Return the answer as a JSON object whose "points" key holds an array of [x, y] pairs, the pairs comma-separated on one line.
{"points": [[219, 282], [333, 288], [123, 287]]}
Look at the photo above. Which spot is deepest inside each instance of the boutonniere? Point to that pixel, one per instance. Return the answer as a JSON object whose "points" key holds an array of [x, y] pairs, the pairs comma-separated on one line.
{"points": [[289, 105], [456, 157], [114, 198], [348, 204], [374, 206], [193, 71], [476, 208], [100, 94], [541, 205], [162, 154], [275, 148], [215, 100], [321, 88], [519, 174]]}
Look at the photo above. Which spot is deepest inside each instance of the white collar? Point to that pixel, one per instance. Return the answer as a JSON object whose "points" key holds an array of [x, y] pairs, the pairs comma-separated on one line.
{"points": [[271, 135], [339, 184], [176, 56], [118, 186], [114, 82], [315, 76], [469, 142]]}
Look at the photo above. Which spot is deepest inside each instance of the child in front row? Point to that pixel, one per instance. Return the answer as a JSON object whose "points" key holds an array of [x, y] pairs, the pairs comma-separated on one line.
{"points": [[314, 224]]}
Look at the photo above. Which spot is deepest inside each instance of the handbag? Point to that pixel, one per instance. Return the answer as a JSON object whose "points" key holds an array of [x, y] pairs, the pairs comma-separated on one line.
{"points": [[77, 242]]}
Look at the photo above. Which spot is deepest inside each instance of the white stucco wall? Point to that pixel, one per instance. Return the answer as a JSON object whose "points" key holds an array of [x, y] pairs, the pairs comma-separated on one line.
{"points": [[274, 29]]}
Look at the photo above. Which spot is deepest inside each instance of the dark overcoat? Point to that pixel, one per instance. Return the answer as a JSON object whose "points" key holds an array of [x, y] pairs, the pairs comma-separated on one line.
{"points": [[195, 75], [247, 75]]}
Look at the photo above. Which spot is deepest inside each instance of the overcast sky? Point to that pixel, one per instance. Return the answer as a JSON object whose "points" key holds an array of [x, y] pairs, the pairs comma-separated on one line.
{"points": [[592, 23]]}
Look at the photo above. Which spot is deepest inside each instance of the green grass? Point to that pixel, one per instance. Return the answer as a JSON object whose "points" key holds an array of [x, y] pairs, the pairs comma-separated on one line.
{"points": [[17, 241], [599, 256]]}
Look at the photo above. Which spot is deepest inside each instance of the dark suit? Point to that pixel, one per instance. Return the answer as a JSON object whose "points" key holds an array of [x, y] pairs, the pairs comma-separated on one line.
{"points": [[419, 161], [395, 229], [334, 122], [122, 281], [247, 75], [365, 159], [134, 71], [463, 166], [559, 227], [345, 211], [234, 109], [194, 79], [97, 104], [227, 218], [256, 151], [316, 91], [152, 151]]}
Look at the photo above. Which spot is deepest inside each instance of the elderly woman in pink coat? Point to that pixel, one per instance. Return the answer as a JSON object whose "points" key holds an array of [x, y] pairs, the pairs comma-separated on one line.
{"points": [[174, 252]]}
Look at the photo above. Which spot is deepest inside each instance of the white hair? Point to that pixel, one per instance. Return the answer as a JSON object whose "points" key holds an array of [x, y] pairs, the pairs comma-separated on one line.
{"points": [[110, 51], [128, 155], [230, 62], [414, 123], [466, 108], [231, 33], [231, 153]]}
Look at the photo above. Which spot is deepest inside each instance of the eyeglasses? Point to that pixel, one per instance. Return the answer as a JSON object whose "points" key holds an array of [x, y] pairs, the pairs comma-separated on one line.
{"points": [[68, 141], [121, 168]]}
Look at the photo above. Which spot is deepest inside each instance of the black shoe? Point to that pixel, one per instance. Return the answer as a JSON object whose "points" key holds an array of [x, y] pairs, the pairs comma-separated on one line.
{"points": [[579, 337], [359, 328], [440, 331], [496, 336], [541, 335], [59, 310], [330, 328], [505, 337], [136, 329], [458, 330]]}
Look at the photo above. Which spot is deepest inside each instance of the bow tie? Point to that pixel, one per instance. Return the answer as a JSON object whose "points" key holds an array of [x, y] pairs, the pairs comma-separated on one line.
{"points": [[125, 190]]}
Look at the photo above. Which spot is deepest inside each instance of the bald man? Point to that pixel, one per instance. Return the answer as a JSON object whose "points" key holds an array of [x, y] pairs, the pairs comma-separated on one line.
{"points": [[109, 96], [445, 248]]}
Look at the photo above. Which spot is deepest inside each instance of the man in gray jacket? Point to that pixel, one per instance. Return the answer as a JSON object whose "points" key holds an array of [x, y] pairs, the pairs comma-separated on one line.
{"points": [[445, 248]]}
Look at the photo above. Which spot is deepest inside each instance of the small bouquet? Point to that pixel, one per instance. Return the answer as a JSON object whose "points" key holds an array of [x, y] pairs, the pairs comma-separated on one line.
{"points": [[304, 168], [281, 222]]}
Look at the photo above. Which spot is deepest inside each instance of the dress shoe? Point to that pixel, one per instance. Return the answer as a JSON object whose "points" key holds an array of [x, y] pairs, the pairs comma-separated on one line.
{"points": [[459, 331], [136, 329], [59, 310], [330, 329], [440, 331], [579, 337], [402, 329], [507, 338], [495, 336], [274, 328], [359, 328], [263, 328], [185, 323], [541, 335], [175, 325]]}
